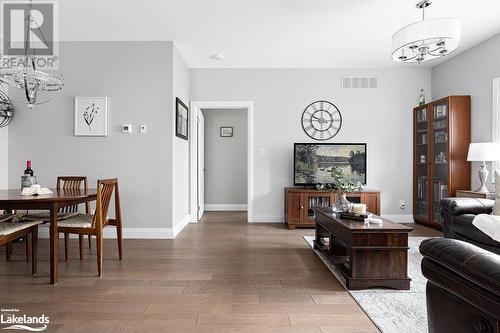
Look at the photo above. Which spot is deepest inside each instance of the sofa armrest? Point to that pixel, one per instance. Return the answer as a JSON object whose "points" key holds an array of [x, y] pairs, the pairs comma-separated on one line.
{"points": [[459, 206], [473, 264]]}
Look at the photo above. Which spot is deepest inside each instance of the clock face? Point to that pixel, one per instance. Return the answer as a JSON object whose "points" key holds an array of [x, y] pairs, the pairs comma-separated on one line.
{"points": [[321, 120]]}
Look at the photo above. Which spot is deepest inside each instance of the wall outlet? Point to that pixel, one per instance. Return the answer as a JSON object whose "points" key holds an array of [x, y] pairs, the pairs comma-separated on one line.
{"points": [[402, 204], [144, 129], [127, 128]]}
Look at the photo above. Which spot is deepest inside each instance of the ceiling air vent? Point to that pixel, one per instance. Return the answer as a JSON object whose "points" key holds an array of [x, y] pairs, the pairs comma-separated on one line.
{"points": [[359, 82]]}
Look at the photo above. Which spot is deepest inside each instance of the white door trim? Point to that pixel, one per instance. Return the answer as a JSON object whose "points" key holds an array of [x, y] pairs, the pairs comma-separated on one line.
{"points": [[249, 108], [495, 115]]}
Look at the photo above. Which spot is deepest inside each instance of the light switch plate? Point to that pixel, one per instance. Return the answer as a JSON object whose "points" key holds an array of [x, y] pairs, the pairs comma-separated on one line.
{"points": [[144, 129]]}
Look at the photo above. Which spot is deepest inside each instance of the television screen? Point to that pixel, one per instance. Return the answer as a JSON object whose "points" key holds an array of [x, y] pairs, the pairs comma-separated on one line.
{"points": [[314, 162]]}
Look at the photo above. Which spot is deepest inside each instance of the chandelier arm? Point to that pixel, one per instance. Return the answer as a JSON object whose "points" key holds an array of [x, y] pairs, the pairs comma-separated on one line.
{"points": [[435, 54], [27, 39], [12, 41]]}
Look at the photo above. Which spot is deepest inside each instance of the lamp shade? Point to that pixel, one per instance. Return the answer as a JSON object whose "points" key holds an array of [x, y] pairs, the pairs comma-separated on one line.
{"points": [[484, 152], [426, 40]]}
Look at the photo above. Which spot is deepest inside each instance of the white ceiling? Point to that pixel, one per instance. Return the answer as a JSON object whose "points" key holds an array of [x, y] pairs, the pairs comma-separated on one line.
{"points": [[272, 33]]}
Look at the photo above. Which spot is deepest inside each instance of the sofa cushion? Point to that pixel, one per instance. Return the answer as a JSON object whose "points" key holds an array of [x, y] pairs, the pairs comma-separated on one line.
{"points": [[462, 224], [474, 264], [459, 206]]}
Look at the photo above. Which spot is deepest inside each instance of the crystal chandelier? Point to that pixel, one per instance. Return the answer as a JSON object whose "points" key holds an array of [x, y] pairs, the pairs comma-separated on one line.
{"points": [[25, 75], [427, 39], [6, 109]]}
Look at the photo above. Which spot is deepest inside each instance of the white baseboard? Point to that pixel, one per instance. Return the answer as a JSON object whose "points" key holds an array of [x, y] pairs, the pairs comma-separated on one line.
{"points": [[132, 233], [262, 218], [225, 207], [181, 225], [401, 218]]}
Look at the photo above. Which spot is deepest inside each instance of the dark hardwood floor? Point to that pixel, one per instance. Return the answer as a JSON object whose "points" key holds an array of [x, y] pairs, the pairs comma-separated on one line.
{"points": [[221, 275]]}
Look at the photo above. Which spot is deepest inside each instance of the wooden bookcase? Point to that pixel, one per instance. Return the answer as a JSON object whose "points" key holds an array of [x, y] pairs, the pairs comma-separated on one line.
{"points": [[441, 137], [300, 204]]}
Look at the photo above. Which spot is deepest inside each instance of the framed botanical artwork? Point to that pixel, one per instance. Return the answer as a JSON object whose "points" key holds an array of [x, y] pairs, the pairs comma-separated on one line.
{"points": [[226, 132], [181, 119], [91, 116]]}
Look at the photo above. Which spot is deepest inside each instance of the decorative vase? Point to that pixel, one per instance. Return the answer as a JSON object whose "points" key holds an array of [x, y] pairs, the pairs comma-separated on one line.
{"points": [[342, 204]]}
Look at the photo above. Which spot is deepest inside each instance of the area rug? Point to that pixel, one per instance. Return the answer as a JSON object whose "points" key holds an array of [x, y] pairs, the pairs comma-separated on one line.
{"points": [[393, 311]]}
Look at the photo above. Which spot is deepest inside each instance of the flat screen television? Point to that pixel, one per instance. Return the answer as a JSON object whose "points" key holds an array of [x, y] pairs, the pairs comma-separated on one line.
{"points": [[313, 162]]}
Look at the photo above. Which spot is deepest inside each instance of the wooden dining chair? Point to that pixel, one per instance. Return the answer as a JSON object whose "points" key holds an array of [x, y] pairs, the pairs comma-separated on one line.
{"points": [[70, 183], [86, 224], [10, 231], [67, 183]]}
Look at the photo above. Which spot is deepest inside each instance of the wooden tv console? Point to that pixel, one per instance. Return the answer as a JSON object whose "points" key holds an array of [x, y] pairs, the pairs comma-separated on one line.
{"points": [[300, 203]]}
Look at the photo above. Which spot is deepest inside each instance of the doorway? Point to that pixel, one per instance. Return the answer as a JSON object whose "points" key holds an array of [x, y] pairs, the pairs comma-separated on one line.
{"points": [[217, 184]]}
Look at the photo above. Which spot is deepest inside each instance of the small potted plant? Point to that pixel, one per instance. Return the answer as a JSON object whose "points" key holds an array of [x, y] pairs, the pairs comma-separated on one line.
{"points": [[341, 185]]}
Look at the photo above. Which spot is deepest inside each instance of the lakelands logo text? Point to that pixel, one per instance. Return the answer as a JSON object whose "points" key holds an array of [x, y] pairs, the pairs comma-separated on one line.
{"points": [[16, 321]]}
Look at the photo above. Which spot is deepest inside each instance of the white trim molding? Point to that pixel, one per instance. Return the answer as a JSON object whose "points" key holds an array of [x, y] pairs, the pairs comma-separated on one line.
{"points": [[495, 116], [399, 218], [226, 207], [179, 226], [194, 109], [128, 233], [262, 218]]}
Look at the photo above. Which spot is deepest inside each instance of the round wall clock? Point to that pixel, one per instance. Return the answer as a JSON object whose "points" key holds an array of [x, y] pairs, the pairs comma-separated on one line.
{"points": [[321, 120]]}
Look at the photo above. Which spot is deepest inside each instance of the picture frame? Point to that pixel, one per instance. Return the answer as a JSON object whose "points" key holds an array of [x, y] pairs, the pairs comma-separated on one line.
{"points": [[181, 119], [226, 131], [91, 116]]}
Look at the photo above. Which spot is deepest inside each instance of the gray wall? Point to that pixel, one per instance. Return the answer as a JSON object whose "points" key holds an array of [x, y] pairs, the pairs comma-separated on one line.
{"points": [[381, 117], [180, 158], [4, 153], [137, 78], [471, 73], [225, 158]]}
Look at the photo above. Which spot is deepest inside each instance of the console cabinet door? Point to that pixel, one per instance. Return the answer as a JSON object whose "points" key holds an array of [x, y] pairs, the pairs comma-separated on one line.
{"points": [[371, 201], [296, 207]]}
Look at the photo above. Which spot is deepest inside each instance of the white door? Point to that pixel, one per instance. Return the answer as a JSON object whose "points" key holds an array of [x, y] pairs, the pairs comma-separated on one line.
{"points": [[201, 165]]}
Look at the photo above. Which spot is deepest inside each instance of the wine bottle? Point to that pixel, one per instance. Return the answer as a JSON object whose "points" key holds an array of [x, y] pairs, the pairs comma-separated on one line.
{"points": [[28, 171]]}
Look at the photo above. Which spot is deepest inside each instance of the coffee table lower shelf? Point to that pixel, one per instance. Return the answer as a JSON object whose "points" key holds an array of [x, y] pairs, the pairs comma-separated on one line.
{"points": [[342, 263]]}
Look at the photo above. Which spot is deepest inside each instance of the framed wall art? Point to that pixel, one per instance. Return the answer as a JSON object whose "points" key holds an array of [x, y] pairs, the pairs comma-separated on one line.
{"points": [[91, 116], [181, 119]]}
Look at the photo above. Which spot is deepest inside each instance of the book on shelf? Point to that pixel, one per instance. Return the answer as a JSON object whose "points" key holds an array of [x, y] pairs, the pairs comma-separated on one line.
{"points": [[424, 138], [319, 202], [422, 184], [440, 191]]}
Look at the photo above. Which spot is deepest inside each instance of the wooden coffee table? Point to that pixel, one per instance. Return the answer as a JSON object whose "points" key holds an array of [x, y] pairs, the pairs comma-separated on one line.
{"points": [[367, 255]]}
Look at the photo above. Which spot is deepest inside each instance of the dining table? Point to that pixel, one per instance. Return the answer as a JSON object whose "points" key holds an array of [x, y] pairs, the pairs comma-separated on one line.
{"points": [[11, 200]]}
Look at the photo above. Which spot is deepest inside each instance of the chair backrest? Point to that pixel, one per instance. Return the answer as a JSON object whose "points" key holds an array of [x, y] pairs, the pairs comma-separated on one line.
{"points": [[105, 189], [72, 183]]}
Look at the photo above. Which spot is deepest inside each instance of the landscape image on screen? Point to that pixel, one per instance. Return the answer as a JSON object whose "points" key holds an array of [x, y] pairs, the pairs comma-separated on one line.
{"points": [[314, 163]]}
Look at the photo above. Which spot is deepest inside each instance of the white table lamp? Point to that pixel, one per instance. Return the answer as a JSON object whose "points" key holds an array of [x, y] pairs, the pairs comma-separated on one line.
{"points": [[483, 152]]}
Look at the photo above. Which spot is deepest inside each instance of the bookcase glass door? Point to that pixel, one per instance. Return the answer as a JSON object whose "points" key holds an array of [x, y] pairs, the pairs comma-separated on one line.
{"points": [[422, 162], [440, 150], [316, 201]]}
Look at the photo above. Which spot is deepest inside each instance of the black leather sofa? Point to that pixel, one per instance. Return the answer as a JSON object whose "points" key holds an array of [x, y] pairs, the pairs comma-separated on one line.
{"points": [[458, 214], [463, 287]]}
